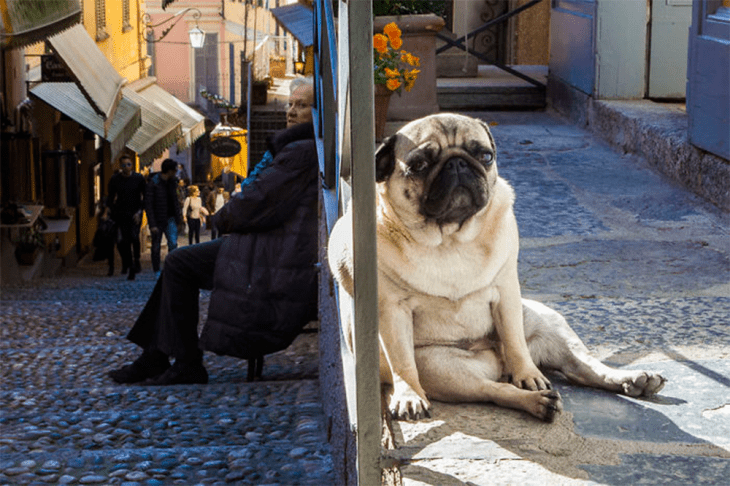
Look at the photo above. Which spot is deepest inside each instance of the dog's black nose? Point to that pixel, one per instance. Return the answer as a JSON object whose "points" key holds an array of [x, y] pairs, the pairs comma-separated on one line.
{"points": [[456, 164]]}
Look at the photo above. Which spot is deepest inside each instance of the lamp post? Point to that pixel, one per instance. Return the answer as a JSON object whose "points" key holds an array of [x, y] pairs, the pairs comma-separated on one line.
{"points": [[197, 35]]}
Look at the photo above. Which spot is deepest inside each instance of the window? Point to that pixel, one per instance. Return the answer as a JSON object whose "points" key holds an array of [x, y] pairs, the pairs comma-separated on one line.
{"points": [[100, 11], [126, 26]]}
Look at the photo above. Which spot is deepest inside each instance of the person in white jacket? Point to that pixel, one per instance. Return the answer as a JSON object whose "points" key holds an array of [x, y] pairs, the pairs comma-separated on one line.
{"points": [[194, 214]]}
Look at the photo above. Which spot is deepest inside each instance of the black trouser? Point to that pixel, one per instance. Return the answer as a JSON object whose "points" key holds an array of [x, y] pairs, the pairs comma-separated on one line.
{"points": [[193, 230], [128, 244], [169, 320]]}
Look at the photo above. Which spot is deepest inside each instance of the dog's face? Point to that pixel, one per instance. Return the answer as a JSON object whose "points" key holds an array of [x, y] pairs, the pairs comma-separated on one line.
{"points": [[438, 170]]}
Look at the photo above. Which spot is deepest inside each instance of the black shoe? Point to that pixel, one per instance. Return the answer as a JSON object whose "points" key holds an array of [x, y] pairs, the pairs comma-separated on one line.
{"points": [[137, 267], [110, 273], [180, 373], [131, 274], [149, 365]]}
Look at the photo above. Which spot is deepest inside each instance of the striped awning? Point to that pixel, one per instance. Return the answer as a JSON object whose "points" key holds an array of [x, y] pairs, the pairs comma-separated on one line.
{"points": [[97, 78], [193, 123], [24, 22], [69, 100], [158, 132]]}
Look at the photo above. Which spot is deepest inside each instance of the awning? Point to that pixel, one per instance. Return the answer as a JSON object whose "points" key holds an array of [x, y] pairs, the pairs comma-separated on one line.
{"points": [[158, 132], [193, 123], [97, 78], [297, 19], [24, 22], [68, 99]]}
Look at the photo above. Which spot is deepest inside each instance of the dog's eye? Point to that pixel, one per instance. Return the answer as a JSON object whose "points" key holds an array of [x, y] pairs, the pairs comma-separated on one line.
{"points": [[486, 158], [418, 165]]}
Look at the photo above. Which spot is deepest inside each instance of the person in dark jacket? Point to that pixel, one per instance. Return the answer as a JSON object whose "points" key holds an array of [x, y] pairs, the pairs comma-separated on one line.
{"points": [[163, 209], [126, 200], [263, 272]]}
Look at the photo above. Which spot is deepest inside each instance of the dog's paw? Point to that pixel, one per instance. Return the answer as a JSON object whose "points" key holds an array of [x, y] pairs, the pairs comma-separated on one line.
{"points": [[547, 405], [531, 379], [642, 383], [408, 405]]}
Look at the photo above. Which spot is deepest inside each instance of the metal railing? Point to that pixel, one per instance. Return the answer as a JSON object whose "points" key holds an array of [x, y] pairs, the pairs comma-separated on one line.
{"points": [[344, 124], [460, 43]]}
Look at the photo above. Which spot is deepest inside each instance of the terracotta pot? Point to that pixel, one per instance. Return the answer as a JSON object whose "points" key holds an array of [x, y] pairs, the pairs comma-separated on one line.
{"points": [[381, 102]]}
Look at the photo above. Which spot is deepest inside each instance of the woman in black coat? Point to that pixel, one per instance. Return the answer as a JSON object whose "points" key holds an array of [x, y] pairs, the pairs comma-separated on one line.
{"points": [[263, 273]]}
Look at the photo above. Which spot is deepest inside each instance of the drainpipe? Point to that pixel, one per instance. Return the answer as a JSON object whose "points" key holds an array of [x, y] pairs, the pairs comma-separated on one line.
{"points": [[141, 61]]}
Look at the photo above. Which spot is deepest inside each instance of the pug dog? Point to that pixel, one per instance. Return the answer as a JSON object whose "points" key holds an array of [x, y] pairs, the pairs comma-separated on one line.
{"points": [[453, 324]]}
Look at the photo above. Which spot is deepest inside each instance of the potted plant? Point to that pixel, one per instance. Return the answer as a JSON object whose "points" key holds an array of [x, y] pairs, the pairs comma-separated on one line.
{"points": [[27, 245], [418, 32], [394, 71]]}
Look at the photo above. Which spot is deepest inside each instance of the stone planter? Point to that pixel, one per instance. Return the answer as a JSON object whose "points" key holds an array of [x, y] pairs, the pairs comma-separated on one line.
{"points": [[419, 38]]}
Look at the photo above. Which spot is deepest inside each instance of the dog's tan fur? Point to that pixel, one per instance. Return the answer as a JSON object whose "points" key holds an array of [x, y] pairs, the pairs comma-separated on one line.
{"points": [[453, 324]]}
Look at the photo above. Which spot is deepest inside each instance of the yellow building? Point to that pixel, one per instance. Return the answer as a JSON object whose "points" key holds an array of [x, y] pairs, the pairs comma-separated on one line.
{"points": [[91, 102]]}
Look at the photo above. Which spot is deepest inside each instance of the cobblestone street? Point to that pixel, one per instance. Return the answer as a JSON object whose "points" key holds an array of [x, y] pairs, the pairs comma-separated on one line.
{"points": [[63, 421]]}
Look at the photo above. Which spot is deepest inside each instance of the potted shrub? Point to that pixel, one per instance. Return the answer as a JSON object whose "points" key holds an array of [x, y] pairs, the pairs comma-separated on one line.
{"points": [[27, 245]]}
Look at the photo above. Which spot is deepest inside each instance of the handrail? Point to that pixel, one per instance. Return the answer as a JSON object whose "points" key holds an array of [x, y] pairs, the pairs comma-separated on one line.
{"points": [[344, 125], [459, 43]]}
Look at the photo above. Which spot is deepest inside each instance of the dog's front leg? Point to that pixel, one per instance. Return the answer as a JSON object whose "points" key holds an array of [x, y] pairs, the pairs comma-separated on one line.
{"points": [[509, 322], [396, 341]]}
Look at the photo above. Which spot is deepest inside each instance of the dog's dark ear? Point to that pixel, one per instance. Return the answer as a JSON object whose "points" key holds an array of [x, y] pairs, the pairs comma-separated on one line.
{"points": [[385, 159]]}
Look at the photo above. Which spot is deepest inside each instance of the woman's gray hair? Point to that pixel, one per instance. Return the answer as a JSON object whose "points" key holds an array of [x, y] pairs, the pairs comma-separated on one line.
{"points": [[300, 81]]}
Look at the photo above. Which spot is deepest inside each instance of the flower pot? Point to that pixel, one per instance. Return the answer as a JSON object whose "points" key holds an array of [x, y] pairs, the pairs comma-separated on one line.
{"points": [[381, 102], [25, 256], [419, 38]]}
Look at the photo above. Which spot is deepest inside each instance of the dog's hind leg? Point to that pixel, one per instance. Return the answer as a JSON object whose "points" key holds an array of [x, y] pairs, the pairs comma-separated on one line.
{"points": [[452, 374], [554, 345]]}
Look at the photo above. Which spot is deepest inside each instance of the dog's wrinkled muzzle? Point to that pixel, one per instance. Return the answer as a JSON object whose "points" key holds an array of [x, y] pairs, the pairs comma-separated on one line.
{"points": [[456, 193]]}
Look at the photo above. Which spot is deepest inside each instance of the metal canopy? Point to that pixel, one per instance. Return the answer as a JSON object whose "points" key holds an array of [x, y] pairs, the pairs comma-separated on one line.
{"points": [[298, 20], [158, 132], [193, 123], [68, 99], [23, 22], [97, 78]]}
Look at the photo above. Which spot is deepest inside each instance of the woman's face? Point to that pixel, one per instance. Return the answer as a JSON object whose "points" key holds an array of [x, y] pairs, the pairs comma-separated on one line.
{"points": [[300, 106]]}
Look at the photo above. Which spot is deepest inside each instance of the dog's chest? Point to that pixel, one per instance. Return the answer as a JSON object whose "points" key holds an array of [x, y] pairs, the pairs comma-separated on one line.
{"points": [[447, 272]]}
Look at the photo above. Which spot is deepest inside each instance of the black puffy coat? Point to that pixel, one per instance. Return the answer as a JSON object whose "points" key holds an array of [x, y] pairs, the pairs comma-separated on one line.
{"points": [[265, 279], [161, 201]]}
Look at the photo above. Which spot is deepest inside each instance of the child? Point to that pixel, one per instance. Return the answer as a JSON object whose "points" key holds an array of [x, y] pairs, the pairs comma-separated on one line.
{"points": [[104, 239]]}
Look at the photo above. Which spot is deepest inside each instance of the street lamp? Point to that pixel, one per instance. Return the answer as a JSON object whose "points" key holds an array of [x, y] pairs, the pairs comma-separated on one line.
{"points": [[197, 36]]}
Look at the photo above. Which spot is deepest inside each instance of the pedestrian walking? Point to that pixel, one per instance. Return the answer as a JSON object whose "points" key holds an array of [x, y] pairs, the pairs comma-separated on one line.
{"points": [[163, 210], [215, 202], [126, 199], [194, 213], [263, 274], [182, 194]]}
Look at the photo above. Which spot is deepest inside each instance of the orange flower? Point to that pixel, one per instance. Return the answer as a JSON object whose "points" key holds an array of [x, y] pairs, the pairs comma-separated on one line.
{"points": [[396, 42], [393, 84], [392, 73], [410, 77], [410, 59], [380, 43], [392, 31]]}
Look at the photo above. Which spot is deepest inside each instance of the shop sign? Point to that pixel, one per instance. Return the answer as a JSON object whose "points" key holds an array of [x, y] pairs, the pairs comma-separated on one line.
{"points": [[225, 147], [53, 70]]}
